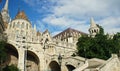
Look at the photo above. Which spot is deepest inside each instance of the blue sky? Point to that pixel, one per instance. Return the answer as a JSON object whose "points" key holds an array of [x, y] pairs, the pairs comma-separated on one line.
{"points": [[58, 15]]}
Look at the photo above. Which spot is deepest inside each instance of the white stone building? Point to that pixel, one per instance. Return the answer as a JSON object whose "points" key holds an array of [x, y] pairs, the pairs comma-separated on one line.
{"points": [[31, 50]]}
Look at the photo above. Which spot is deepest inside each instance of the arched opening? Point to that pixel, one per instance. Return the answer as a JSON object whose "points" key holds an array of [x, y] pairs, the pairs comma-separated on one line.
{"points": [[54, 66], [95, 30], [70, 67], [12, 55], [31, 61]]}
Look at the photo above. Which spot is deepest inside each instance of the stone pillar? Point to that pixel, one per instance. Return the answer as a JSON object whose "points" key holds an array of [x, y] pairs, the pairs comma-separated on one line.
{"points": [[21, 64], [42, 63], [64, 68]]}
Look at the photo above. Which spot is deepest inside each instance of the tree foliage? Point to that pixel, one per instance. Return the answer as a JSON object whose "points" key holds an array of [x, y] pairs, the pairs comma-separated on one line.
{"points": [[3, 58], [101, 46], [11, 68], [3, 55]]}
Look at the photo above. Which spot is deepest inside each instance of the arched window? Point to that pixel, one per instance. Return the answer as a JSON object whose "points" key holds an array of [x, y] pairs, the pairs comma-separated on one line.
{"points": [[22, 26], [18, 25], [17, 32], [94, 30], [97, 30], [27, 26]]}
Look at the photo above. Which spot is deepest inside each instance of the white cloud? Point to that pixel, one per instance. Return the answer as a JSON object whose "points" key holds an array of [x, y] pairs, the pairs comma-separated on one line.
{"points": [[86, 8], [75, 14], [67, 11], [110, 24], [40, 26], [61, 21]]}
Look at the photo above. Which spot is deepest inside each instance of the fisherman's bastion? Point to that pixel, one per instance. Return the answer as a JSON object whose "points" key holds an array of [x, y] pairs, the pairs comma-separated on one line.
{"points": [[31, 50]]}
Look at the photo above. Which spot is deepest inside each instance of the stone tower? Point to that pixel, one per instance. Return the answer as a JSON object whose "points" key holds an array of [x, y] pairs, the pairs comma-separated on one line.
{"points": [[5, 13], [94, 29]]}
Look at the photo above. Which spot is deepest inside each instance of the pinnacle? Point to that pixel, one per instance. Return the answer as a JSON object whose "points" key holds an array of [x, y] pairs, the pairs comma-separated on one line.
{"points": [[6, 6], [92, 22]]}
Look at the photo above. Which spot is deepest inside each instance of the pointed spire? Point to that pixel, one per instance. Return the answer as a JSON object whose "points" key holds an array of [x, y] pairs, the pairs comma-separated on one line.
{"points": [[5, 13], [92, 22], [6, 6], [21, 15], [34, 27]]}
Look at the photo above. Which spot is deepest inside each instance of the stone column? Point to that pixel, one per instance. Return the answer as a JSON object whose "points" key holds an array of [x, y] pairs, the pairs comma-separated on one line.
{"points": [[21, 62], [41, 64], [64, 68]]}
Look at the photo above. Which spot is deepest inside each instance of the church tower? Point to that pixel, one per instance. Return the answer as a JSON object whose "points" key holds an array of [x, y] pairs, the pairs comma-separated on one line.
{"points": [[5, 14], [94, 29]]}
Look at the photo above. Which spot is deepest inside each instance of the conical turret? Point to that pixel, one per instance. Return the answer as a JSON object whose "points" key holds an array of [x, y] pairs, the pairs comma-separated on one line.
{"points": [[6, 6], [34, 27], [5, 14], [94, 29], [92, 23]]}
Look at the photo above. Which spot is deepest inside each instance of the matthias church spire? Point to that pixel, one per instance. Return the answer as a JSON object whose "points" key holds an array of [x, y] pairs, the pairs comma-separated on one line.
{"points": [[5, 14]]}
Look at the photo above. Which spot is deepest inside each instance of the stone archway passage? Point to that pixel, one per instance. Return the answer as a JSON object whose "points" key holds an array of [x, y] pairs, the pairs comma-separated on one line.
{"points": [[54, 66], [32, 61], [12, 55], [70, 67]]}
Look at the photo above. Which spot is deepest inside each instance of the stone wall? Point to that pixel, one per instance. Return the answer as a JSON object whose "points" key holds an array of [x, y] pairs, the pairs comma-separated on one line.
{"points": [[113, 64]]}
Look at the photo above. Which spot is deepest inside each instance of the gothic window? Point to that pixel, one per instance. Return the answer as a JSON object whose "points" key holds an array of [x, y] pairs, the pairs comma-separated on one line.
{"points": [[92, 31], [95, 31], [17, 33], [22, 26], [17, 25], [27, 26]]}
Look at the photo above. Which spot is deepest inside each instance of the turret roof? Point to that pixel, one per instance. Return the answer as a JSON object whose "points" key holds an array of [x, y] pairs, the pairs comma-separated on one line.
{"points": [[92, 23], [6, 6], [21, 15]]}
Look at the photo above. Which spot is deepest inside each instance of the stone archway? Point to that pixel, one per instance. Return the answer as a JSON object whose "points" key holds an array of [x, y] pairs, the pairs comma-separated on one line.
{"points": [[12, 55], [70, 67], [54, 66], [32, 61]]}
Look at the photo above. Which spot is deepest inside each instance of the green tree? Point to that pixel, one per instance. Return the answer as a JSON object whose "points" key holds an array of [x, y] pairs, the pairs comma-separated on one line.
{"points": [[11, 68], [116, 39], [3, 58], [101, 46], [3, 55]]}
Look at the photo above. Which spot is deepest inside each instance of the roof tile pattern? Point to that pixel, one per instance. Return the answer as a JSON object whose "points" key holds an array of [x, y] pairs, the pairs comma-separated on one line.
{"points": [[69, 31], [21, 15]]}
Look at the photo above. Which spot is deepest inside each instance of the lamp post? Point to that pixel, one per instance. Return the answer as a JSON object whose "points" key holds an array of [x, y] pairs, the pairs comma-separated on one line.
{"points": [[44, 44], [60, 60]]}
